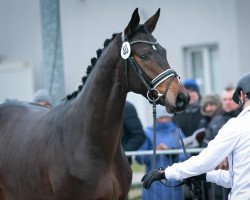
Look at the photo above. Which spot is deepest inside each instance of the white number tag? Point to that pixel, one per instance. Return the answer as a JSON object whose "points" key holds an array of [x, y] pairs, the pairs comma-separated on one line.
{"points": [[125, 50]]}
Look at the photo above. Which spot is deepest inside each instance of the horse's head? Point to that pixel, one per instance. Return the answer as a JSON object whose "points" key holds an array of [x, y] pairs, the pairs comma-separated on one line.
{"points": [[146, 66]]}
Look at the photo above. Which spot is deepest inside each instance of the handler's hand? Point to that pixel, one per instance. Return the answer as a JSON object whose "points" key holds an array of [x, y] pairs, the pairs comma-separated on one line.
{"points": [[154, 175]]}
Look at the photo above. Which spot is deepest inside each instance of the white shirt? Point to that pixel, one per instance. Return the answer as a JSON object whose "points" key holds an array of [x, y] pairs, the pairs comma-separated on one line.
{"points": [[232, 141]]}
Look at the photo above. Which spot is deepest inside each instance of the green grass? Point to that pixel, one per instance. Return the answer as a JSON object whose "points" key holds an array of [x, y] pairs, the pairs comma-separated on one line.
{"points": [[135, 192], [137, 167]]}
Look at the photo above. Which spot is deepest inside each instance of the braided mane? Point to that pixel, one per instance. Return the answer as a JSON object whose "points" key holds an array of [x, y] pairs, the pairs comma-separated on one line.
{"points": [[140, 28], [90, 67]]}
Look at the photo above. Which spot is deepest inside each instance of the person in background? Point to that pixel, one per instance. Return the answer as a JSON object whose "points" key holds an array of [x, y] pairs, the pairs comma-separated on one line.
{"points": [[232, 142], [191, 119], [211, 106], [42, 98], [133, 134], [229, 109], [167, 137]]}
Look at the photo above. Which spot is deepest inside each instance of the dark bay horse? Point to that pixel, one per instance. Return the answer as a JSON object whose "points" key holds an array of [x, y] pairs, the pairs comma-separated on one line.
{"points": [[73, 151]]}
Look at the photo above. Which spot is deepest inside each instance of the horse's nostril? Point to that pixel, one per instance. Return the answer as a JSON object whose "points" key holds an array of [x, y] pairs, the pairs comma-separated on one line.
{"points": [[181, 101]]}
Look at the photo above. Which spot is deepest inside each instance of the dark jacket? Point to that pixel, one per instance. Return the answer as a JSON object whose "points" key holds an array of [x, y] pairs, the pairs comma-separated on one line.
{"points": [[133, 134], [191, 120], [216, 123]]}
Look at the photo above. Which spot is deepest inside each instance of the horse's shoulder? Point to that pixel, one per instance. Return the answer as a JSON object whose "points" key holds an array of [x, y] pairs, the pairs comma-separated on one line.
{"points": [[19, 107], [10, 104]]}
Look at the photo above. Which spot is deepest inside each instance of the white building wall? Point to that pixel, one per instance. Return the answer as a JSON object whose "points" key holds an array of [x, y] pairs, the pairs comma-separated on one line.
{"points": [[181, 24], [243, 27], [20, 35]]}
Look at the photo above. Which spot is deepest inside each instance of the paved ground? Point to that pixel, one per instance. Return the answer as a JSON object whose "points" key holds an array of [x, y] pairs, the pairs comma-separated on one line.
{"points": [[137, 177]]}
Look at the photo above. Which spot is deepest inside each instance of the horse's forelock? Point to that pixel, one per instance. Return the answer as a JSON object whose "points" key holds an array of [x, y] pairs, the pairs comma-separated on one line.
{"points": [[141, 28]]}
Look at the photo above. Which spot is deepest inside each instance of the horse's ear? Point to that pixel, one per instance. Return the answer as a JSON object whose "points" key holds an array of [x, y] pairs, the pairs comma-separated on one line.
{"points": [[133, 24], [152, 21]]}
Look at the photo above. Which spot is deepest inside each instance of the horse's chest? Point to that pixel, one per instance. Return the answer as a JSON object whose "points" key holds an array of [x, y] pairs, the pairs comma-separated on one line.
{"points": [[114, 182], [111, 186], [94, 181], [108, 188]]}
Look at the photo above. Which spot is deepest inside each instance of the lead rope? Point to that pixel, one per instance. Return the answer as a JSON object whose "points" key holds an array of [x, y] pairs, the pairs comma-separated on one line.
{"points": [[194, 188], [182, 143], [154, 141], [154, 146]]}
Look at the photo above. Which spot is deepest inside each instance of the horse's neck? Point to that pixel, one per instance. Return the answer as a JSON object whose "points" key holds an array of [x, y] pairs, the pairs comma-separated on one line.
{"points": [[101, 103], [105, 88]]}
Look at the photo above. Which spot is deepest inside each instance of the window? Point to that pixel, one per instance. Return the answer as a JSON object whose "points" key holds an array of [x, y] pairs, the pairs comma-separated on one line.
{"points": [[201, 63]]}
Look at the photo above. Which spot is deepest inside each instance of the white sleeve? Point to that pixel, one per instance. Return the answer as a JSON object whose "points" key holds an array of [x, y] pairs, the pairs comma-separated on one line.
{"points": [[220, 177], [216, 151]]}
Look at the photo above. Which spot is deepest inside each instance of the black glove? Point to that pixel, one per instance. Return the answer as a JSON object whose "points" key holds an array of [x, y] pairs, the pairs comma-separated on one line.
{"points": [[154, 175]]}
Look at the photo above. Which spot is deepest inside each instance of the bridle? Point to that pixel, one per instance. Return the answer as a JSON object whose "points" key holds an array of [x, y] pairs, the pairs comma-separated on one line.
{"points": [[151, 87]]}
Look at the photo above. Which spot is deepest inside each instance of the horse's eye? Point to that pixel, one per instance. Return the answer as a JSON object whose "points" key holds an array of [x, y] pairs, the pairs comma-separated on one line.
{"points": [[144, 57]]}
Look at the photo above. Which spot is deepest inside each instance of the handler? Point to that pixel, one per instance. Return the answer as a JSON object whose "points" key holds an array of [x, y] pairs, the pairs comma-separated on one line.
{"points": [[232, 141]]}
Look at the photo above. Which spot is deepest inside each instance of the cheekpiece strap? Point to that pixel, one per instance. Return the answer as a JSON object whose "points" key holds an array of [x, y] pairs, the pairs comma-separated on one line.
{"points": [[123, 37]]}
